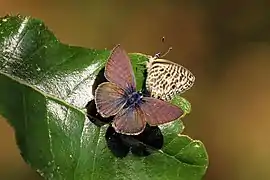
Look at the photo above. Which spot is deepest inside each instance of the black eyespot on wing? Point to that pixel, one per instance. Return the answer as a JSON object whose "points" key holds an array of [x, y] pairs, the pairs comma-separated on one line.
{"points": [[163, 86]]}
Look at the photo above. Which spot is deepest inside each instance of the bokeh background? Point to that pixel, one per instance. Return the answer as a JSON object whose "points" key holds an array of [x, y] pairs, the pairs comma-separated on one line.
{"points": [[224, 43]]}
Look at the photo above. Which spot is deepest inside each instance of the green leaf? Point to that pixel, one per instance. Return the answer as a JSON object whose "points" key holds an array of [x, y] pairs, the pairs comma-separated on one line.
{"points": [[44, 88], [182, 103]]}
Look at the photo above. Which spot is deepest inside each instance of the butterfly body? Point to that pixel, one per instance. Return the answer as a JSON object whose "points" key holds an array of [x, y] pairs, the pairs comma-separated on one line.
{"points": [[166, 78], [119, 98], [133, 99]]}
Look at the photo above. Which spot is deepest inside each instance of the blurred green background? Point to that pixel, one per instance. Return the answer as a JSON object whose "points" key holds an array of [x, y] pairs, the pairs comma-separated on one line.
{"points": [[224, 43]]}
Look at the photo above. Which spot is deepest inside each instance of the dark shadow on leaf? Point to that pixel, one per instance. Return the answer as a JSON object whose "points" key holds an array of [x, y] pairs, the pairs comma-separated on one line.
{"points": [[140, 145], [115, 144], [100, 78], [92, 113], [144, 91], [94, 116]]}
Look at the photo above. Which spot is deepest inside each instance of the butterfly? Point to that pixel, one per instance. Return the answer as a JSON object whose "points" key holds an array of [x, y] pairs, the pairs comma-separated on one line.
{"points": [[165, 78], [118, 97]]}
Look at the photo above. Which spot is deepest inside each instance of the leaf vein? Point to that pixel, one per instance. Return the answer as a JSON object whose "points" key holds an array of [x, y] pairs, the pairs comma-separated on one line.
{"points": [[81, 147], [21, 35], [50, 138], [174, 158], [95, 153], [170, 142]]}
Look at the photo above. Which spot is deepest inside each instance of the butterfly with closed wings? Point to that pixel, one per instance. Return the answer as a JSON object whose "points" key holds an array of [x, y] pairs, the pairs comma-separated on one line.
{"points": [[119, 98], [165, 79]]}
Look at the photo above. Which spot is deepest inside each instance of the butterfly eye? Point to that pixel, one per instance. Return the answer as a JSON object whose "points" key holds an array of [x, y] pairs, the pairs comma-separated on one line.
{"points": [[157, 55]]}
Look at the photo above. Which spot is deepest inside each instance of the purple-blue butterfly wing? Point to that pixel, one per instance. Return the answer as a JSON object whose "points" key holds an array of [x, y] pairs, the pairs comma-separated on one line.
{"points": [[129, 121], [159, 112], [119, 69], [109, 99]]}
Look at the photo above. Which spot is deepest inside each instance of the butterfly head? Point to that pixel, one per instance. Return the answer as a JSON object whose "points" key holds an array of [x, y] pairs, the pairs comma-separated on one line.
{"points": [[140, 93], [157, 56]]}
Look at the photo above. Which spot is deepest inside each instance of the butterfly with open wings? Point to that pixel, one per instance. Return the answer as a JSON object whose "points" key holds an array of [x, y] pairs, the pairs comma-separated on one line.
{"points": [[119, 98]]}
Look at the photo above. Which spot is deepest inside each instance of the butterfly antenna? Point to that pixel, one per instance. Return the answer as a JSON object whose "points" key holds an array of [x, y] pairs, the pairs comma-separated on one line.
{"points": [[159, 55], [166, 52]]}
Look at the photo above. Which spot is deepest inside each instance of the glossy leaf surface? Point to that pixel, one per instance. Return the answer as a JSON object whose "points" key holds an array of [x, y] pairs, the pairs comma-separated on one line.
{"points": [[44, 86]]}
